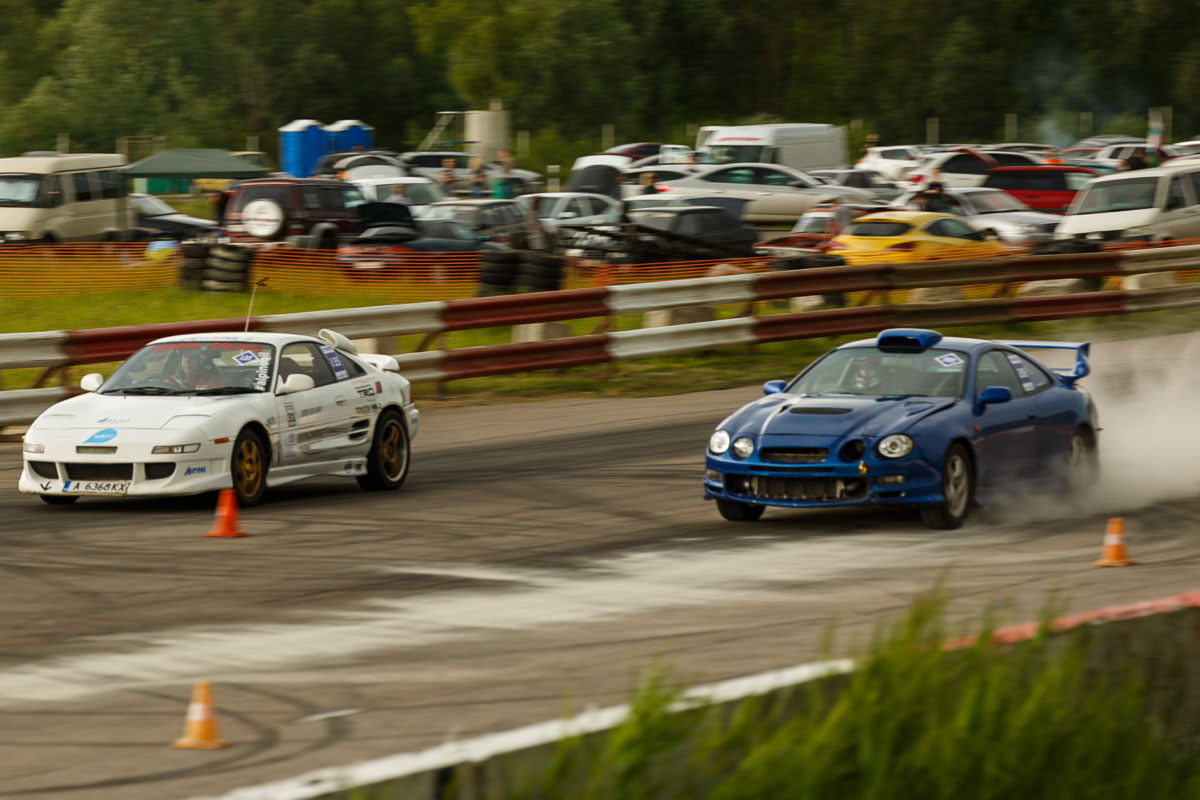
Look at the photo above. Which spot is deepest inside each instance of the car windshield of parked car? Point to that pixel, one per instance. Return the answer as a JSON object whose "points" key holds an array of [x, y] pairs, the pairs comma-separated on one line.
{"points": [[17, 189], [1076, 180], [150, 206], [659, 220], [880, 227], [194, 367], [731, 154], [1126, 194], [869, 371], [994, 202], [812, 223]]}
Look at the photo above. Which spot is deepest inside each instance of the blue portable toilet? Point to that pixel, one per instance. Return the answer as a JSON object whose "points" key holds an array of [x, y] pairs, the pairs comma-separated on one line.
{"points": [[301, 145], [347, 134]]}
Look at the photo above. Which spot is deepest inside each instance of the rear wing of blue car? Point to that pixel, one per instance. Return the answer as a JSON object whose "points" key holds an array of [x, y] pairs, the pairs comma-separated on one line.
{"points": [[1068, 374]]}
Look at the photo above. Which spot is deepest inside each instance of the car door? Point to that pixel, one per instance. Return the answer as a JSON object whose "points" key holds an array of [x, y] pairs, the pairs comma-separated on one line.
{"points": [[1055, 420], [314, 424], [774, 196], [1004, 439], [1181, 215]]}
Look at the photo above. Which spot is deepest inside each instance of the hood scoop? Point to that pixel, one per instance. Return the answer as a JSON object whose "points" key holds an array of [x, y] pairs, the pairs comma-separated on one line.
{"points": [[818, 410]]}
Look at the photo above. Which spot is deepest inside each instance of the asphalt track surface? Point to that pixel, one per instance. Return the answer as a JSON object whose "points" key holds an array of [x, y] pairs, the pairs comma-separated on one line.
{"points": [[538, 559]]}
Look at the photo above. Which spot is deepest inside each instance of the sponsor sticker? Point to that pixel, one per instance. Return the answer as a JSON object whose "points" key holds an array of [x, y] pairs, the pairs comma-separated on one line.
{"points": [[262, 375], [949, 360], [245, 358], [195, 471], [1022, 372], [335, 361], [99, 437]]}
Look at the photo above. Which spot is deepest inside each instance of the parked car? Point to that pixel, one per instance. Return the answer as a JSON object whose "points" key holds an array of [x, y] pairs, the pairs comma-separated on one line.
{"points": [[964, 167], [866, 179], [63, 198], [630, 180], [909, 418], [896, 235], [302, 212], [890, 161], [813, 230], [418, 191], [1105, 139], [1118, 154], [1033, 148], [397, 243], [993, 211], [1048, 188], [327, 165], [667, 233], [155, 219], [775, 193], [243, 411], [505, 221], [636, 150], [429, 164], [568, 208], [1147, 205]]}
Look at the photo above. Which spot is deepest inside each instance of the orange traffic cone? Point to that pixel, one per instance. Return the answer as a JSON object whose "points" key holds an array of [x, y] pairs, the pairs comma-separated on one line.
{"points": [[200, 729], [226, 524], [1114, 554]]}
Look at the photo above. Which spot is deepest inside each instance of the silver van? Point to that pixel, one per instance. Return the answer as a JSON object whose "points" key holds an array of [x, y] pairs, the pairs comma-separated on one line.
{"points": [[1151, 205], [63, 198]]}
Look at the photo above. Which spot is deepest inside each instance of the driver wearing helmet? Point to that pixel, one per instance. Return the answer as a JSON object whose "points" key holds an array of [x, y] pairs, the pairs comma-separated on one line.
{"points": [[866, 374], [196, 371]]}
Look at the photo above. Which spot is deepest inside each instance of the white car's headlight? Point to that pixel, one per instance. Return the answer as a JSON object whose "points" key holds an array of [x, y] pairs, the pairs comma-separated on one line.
{"points": [[743, 446], [895, 446], [718, 443], [30, 447], [174, 449]]}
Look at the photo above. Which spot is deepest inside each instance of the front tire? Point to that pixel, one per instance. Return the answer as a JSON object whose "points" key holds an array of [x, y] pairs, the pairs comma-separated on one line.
{"points": [[739, 512], [58, 499], [958, 489], [387, 462], [249, 468]]}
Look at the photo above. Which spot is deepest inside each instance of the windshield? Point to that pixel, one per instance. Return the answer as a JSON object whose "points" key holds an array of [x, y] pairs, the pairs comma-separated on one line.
{"points": [[1126, 194], [731, 154], [151, 206], [995, 202], [812, 223], [19, 189], [194, 366], [659, 220], [884, 228], [464, 214], [869, 371]]}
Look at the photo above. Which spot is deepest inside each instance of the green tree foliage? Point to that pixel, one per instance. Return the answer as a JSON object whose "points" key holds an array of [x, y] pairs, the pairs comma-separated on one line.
{"points": [[211, 72]]}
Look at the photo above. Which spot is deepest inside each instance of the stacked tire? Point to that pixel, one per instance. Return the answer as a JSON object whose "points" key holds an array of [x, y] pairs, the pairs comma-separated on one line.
{"points": [[498, 270], [227, 268], [193, 264], [540, 272]]}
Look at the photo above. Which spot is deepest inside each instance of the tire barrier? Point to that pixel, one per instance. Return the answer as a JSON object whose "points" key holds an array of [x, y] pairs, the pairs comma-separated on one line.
{"points": [[193, 261], [227, 268]]}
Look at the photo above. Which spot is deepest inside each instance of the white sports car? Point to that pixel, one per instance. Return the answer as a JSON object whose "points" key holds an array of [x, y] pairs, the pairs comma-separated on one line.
{"points": [[197, 413]]}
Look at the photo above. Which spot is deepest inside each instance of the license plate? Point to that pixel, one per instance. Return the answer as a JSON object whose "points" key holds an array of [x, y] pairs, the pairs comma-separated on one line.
{"points": [[96, 487]]}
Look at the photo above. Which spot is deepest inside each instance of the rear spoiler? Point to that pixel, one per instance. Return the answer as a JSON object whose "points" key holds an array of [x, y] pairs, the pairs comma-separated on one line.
{"points": [[1068, 374]]}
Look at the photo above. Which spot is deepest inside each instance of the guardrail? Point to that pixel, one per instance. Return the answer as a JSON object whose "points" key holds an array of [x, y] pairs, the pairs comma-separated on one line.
{"points": [[54, 350]]}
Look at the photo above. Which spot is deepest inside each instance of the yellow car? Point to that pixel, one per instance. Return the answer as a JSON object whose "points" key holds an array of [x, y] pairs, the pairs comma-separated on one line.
{"points": [[898, 235]]}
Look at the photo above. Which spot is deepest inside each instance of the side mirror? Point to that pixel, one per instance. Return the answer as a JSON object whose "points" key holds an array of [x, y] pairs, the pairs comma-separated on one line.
{"points": [[995, 394], [295, 383], [773, 387], [91, 382]]}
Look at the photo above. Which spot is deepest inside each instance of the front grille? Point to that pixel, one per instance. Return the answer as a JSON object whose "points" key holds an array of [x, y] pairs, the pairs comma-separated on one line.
{"points": [[794, 455], [99, 472], [1048, 227], [157, 470], [45, 469], [812, 489]]}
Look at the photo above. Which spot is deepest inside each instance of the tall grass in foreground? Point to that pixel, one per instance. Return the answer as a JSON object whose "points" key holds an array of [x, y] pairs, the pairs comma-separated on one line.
{"points": [[915, 721]]}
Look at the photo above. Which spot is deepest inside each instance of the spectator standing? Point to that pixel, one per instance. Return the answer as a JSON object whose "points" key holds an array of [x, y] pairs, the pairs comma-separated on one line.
{"points": [[646, 179], [842, 217], [1137, 159], [502, 183], [478, 187]]}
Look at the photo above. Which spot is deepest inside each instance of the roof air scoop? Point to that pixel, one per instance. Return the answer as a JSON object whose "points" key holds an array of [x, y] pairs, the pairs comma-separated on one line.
{"points": [[907, 339]]}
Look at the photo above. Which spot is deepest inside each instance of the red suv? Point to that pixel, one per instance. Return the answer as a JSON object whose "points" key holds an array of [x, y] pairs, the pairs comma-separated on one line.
{"points": [[314, 213], [1049, 188]]}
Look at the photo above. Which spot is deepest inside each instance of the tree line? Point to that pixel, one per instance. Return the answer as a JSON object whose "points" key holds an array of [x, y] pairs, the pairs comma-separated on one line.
{"points": [[210, 73]]}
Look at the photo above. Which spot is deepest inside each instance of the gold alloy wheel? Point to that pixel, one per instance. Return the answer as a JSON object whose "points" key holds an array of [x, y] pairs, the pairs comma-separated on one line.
{"points": [[391, 456], [248, 467]]}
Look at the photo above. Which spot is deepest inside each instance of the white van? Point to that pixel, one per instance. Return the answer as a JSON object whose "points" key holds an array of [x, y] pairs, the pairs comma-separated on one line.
{"points": [[801, 146], [1151, 205], [63, 198]]}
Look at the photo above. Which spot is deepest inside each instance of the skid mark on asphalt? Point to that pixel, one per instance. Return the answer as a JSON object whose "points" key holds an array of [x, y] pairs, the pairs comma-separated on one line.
{"points": [[527, 600]]}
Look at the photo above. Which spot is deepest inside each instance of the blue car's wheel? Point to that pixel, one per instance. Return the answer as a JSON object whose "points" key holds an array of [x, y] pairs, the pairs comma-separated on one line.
{"points": [[958, 487], [1082, 467], [739, 512]]}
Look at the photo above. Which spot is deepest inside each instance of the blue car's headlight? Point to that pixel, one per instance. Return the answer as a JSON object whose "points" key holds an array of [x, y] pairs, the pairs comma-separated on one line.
{"points": [[743, 447], [718, 443], [895, 446]]}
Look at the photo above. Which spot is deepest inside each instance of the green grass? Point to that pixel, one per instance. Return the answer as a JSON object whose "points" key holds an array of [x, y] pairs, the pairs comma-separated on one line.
{"points": [[914, 721]]}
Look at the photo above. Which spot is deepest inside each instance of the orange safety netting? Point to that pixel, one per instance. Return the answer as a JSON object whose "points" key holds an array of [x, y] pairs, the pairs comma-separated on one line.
{"points": [[50, 269]]}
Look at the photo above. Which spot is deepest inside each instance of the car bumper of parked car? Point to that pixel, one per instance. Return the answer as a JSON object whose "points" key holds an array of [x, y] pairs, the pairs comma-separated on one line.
{"points": [[874, 482]]}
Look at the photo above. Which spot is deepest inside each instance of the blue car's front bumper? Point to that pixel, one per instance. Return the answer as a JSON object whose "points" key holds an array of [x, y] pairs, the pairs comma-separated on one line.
{"points": [[867, 482]]}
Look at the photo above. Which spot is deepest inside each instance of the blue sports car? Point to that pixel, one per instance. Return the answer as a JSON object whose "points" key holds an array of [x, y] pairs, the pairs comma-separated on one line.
{"points": [[909, 417]]}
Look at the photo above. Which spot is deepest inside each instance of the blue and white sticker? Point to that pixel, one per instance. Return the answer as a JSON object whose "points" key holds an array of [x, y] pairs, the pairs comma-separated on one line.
{"points": [[100, 437], [1022, 372], [246, 357], [335, 361], [949, 360]]}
